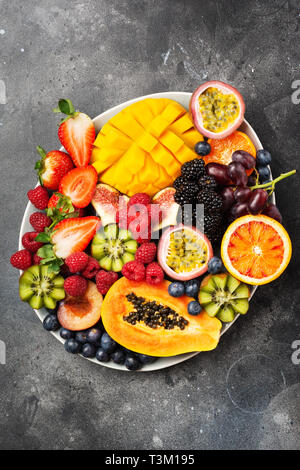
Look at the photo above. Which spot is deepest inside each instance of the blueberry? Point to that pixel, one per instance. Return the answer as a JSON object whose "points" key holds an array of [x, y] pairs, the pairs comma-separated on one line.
{"points": [[264, 174], [132, 363], [93, 335], [192, 288], [263, 158], [66, 334], [130, 353], [88, 350], [51, 322], [202, 148], [215, 265], [107, 343], [176, 289], [144, 359], [72, 346], [81, 336], [194, 308], [102, 356], [118, 356]]}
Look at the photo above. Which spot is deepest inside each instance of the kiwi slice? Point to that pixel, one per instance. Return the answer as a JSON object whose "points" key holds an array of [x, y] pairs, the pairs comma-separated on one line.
{"points": [[223, 296], [40, 288], [113, 247]]}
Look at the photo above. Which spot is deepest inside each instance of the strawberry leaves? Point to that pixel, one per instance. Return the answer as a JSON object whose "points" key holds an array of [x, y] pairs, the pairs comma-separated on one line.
{"points": [[63, 209], [39, 166], [65, 106], [49, 258]]}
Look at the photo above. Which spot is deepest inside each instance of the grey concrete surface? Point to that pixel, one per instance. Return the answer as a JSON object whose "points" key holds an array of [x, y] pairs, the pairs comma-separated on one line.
{"points": [[243, 395]]}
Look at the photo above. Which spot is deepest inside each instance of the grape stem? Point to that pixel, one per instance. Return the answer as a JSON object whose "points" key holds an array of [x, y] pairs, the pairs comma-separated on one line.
{"points": [[271, 184]]}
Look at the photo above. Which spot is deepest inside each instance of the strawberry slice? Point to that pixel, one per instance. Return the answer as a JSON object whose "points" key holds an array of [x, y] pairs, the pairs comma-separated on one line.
{"points": [[76, 133], [52, 167], [71, 235], [79, 185]]}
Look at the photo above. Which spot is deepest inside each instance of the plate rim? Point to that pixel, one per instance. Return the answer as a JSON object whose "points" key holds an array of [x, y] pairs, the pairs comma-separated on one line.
{"points": [[172, 360]]}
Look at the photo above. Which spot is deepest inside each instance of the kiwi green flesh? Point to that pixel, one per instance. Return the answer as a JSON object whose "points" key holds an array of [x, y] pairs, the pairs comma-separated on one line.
{"points": [[113, 247], [40, 287], [223, 296]]}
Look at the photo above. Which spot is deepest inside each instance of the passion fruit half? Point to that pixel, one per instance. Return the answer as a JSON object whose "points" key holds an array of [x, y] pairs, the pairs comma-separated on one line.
{"points": [[217, 109], [184, 252]]}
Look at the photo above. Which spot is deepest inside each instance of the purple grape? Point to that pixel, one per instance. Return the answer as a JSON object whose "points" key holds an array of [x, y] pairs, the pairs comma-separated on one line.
{"points": [[219, 172], [258, 201], [244, 158], [237, 174], [272, 211], [242, 194], [238, 210], [227, 194], [252, 179]]}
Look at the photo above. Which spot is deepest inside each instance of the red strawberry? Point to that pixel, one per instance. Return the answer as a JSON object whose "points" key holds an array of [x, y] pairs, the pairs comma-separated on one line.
{"points": [[21, 259], [39, 197], [29, 242], [39, 221], [76, 133], [75, 286], [52, 167], [71, 235], [79, 185], [64, 204]]}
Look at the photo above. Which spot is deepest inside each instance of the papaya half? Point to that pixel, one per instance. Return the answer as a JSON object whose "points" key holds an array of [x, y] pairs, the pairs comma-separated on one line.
{"points": [[146, 319]]}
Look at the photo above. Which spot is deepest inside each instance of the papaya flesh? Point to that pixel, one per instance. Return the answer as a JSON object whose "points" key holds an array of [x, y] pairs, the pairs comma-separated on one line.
{"points": [[201, 333]]}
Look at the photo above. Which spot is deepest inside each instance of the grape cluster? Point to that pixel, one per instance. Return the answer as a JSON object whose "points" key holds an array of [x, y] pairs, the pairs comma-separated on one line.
{"points": [[239, 193]]}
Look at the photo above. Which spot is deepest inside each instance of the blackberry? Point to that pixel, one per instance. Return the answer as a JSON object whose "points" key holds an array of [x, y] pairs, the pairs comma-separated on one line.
{"points": [[212, 201], [193, 169], [207, 182], [186, 192], [178, 182]]}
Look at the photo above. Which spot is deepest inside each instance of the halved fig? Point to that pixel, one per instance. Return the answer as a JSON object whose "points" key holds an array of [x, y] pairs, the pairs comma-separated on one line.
{"points": [[80, 313], [217, 109], [107, 201], [184, 252], [169, 208]]}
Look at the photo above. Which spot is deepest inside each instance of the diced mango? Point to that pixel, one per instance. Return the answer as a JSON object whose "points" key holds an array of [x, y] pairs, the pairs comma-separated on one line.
{"points": [[157, 105], [105, 157], [183, 124], [158, 126], [171, 141], [146, 141], [172, 112], [185, 154], [127, 124], [141, 112]]}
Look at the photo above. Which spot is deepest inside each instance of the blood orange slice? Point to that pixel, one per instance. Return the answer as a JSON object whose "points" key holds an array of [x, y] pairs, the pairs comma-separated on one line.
{"points": [[256, 249], [222, 149]]}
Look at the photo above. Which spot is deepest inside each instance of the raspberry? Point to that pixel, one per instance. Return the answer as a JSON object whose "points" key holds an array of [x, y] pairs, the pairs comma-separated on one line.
{"points": [[28, 241], [36, 259], [39, 221], [21, 259], [134, 270], [146, 253], [104, 280], [140, 228], [91, 268], [75, 286], [154, 274], [139, 198], [77, 262], [38, 197]]}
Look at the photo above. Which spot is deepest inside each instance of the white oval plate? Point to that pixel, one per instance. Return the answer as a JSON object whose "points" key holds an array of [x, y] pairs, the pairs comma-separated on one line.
{"points": [[183, 98]]}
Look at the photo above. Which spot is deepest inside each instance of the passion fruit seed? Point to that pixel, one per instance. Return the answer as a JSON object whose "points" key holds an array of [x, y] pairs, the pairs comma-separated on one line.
{"points": [[186, 251], [153, 314], [218, 110]]}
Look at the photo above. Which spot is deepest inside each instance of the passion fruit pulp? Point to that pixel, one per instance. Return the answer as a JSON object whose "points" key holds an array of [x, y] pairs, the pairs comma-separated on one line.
{"points": [[184, 252], [217, 109]]}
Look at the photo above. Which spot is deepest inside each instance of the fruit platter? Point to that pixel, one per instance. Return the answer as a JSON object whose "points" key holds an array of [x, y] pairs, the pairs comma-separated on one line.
{"points": [[150, 229]]}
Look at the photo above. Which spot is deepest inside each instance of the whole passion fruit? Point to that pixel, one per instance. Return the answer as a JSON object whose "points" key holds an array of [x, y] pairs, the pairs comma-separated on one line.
{"points": [[217, 109], [184, 252]]}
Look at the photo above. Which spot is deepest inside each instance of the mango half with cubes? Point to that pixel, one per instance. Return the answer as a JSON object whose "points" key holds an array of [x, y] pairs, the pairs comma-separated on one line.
{"points": [[142, 148], [223, 296], [40, 287]]}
